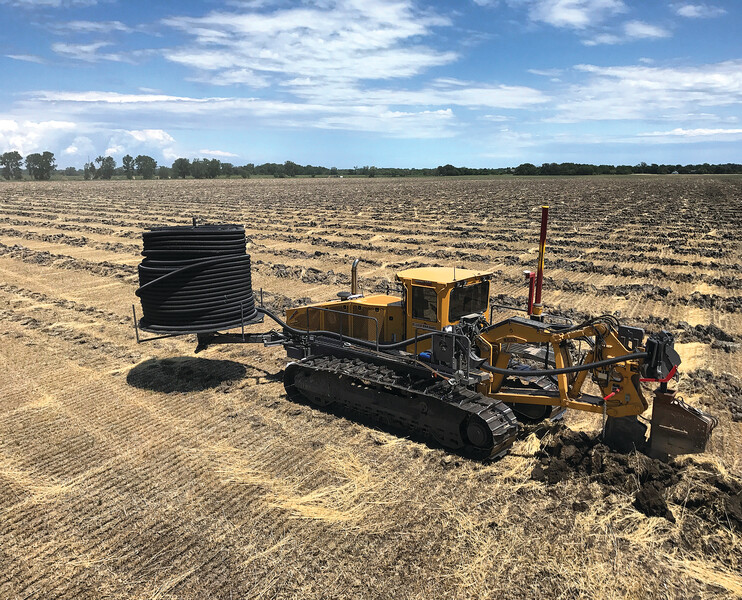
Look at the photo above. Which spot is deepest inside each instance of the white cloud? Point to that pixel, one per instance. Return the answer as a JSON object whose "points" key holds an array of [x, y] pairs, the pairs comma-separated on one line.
{"points": [[699, 11], [442, 92], [90, 27], [81, 147], [113, 97], [603, 39], [335, 100], [640, 29], [632, 30], [223, 111], [334, 41], [30, 4], [219, 153], [26, 58], [78, 142], [139, 141], [32, 136], [509, 144], [88, 52], [329, 60], [234, 77], [592, 19], [420, 125], [112, 105], [679, 135], [114, 150], [575, 14], [546, 72], [644, 92], [157, 137]]}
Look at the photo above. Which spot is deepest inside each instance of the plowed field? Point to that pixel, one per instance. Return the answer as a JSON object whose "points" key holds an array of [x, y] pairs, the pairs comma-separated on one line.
{"points": [[147, 471]]}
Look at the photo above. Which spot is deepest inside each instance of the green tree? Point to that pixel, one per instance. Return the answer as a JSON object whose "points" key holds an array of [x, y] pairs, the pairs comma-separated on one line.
{"points": [[290, 168], [106, 167], [182, 168], [88, 171], [41, 166], [447, 170], [146, 166], [198, 168], [212, 168], [11, 164], [128, 163], [526, 169], [164, 172], [227, 169]]}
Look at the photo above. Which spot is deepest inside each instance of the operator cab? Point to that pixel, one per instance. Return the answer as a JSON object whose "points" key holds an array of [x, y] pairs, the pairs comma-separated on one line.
{"points": [[441, 296]]}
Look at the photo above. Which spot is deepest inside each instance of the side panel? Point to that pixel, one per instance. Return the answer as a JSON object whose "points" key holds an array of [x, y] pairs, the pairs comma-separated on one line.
{"points": [[360, 318]]}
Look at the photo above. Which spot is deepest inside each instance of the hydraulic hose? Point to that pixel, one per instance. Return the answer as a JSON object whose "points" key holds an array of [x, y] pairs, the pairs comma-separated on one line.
{"points": [[566, 370], [403, 343], [335, 334]]}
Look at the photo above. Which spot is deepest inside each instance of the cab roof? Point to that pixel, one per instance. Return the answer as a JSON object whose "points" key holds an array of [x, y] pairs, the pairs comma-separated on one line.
{"points": [[440, 275]]}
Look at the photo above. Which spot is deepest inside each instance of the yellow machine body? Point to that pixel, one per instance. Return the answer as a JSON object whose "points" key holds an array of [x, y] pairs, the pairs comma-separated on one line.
{"points": [[619, 383], [436, 297], [432, 298], [366, 317]]}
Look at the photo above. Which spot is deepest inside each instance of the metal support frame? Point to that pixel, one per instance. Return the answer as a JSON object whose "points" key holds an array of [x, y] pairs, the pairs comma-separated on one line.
{"points": [[453, 335], [141, 340]]}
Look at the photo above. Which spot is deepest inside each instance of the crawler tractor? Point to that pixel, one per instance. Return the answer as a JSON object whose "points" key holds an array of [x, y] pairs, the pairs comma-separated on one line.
{"points": [[427, 359]]}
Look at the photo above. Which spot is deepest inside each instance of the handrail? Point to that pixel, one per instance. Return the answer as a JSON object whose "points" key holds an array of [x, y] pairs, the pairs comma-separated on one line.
{"points": [[345, 314]]}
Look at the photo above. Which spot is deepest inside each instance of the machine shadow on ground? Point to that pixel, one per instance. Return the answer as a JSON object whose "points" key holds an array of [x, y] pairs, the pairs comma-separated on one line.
{"points": [[184, 374]]}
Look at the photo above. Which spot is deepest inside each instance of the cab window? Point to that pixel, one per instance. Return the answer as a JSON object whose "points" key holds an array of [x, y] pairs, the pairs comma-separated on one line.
{"points": [[424, 303], [467, 300]]}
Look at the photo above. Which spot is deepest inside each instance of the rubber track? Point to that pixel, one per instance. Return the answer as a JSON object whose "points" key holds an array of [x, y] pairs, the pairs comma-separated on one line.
{"points": [[458, 403]]}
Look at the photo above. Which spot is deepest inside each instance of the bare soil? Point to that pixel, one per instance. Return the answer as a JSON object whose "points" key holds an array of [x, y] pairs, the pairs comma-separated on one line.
{"points": [[147, 471]]}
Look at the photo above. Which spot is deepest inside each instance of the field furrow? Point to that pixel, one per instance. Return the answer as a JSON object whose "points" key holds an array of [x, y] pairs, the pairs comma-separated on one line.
{"points": [[148, 471]]}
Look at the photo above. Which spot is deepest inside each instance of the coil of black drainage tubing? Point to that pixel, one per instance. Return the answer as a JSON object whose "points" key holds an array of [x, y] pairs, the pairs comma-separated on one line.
{"points": [[195, 279]]}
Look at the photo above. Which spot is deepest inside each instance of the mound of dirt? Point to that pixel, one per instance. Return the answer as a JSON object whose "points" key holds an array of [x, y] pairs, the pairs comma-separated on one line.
{"points": [[658, 487], [722, 391]]}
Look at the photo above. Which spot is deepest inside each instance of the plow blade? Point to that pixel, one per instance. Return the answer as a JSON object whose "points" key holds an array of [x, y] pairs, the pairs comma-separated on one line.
{"points": [[678, 428]]}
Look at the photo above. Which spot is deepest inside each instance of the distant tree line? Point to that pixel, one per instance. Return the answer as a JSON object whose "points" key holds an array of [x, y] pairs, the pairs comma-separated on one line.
{"points": [[41, 166], [641, 168]]}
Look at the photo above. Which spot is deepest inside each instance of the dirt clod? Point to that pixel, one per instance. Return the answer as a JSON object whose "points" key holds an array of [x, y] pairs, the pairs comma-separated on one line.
{"points": [[713, 497], [650, 500]]}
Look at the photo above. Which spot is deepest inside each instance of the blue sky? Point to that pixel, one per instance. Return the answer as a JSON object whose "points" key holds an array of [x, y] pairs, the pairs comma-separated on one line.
{"points": [[398, 83]]}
